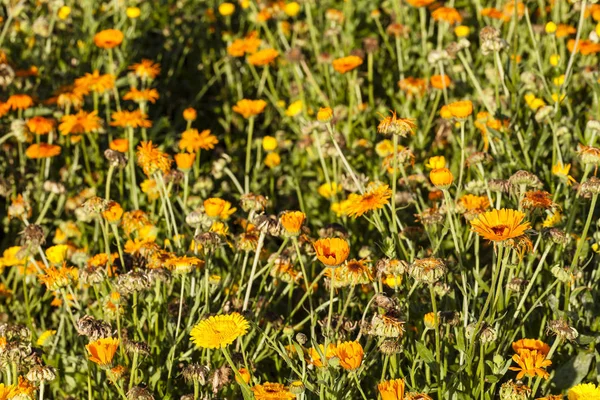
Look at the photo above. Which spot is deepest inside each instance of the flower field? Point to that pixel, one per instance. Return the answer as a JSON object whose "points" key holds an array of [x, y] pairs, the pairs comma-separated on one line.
{"points": [[299, 200]]}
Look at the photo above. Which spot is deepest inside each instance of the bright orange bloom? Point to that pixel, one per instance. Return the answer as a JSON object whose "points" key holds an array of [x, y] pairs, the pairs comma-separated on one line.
{"points": [[215, 207], [192, 141], [42, 150], [130, 119], [350, 355], [419, 3], [185, 161], [413, 86], [82, 122], [95, 82], [189, 114], [461, 109], [375, 197], [102, 351], [332, 251], [263, 57], [139, 96], [19, 102], [500, 225], [346, 64], [113, 212], [448, 14], [440, 81], [249, 108], [120, 145], [314, 354], [40, 125], [146, 69], [392, 390], [108, 38], [151, 159], [292, 221]]}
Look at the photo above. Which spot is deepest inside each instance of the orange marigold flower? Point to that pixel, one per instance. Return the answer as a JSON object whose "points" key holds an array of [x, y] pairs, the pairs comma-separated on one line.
{"points": [[185, 161], [440, 81], [271, 391], [192, 141], [448, 14], [350, 355], [531, 344], [120, 145], [113, 212], [146, 69], [190, 114], [461, 109], [392, 125], [375, 197], [391, 390], [249, 108], [108, 38], [346, 64], [102, 351], [82, 122], [420, 3], [263, 57], [130, 119], [151, 159], [531, 363], [40, 125], [494, 13], [218, 208], [139, 96], [95, 82], [563, 30], [500, 225], [537, 199], [318, 356], [332, 251], [585, 47], [292, 221], [19, 102], [42, 150]]}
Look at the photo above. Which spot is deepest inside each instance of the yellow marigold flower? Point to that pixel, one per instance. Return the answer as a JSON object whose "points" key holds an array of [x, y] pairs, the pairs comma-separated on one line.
{"points": [[150, 187], [393, 281], [183, 264], [82, 122], [294, 109], [42, 150], [346, 64], [376, 196], [120, 145], [319, 357], [102, 351], [219, 331], [392, 125], [291, 9], [384, 148], [151, 159], [133, 12], [413, 86], [394, 389], [64, 12], [436, 162], [584, 391], [146, 69], [57, 278], [340, 208], [430, 320], [263, 57], [292, 221], [552, 219], [57, 254], [226, 9], [462, 31], [218, 208], [108, 38], [269, 143], [190, 114], [272, 160], [554, 60], [113, 212], [550, 27], [461, 109], [530, 363], [325, 114], [474, 204], [10, 257], [328, 190], [244, 374], [95, 82], [352, 272], [500, 225], [43, 338], [332, 251], [249, 108], [350, 354], [445, 112], [272, 391], [441, 178]]}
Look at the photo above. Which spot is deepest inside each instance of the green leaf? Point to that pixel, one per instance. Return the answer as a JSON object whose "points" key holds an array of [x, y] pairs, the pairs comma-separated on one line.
{"points": [[425, 353], [573, 371]]}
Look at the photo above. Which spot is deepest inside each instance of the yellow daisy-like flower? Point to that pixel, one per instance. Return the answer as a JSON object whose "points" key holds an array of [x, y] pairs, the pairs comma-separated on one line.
{"points": [[44, 337], [375, 197], [272, 391], [102, 351], [219, 331], [584, 391], [500, 225]]}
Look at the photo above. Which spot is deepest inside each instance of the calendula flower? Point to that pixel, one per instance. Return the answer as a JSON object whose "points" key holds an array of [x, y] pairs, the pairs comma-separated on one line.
{"points": [[113, 212], [325, 114], [531, 344], [219, 331], [427, 270], [10, 257], [350, 355], [292, 222], [108, 38], [192, 141], [151, 159], [120, 145], [42, 150], [329, 190], [226, 9], [249, 108], [102, 351], [272, 391], [272, 160], [436, 162], [218, 208], [146, 69], [376, 196], [183, 264], [319, 356], [185, 161], [130, 119], [440, 81], [82, 122], [352, 272], [332, 251], [392, 125], [140, 96], [190, 114], [530, 363], [562, 172], [44, 338], [473, 204], [133, 12], [461, 109], [40, 125], [584, 391], [263, 57], [95, 82], [441, 178], [19, 102], [391, 390], [448, 14], [346, 64], [294, 109], [57, 278], [269, 143], [537, 199], [500, 225]]}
